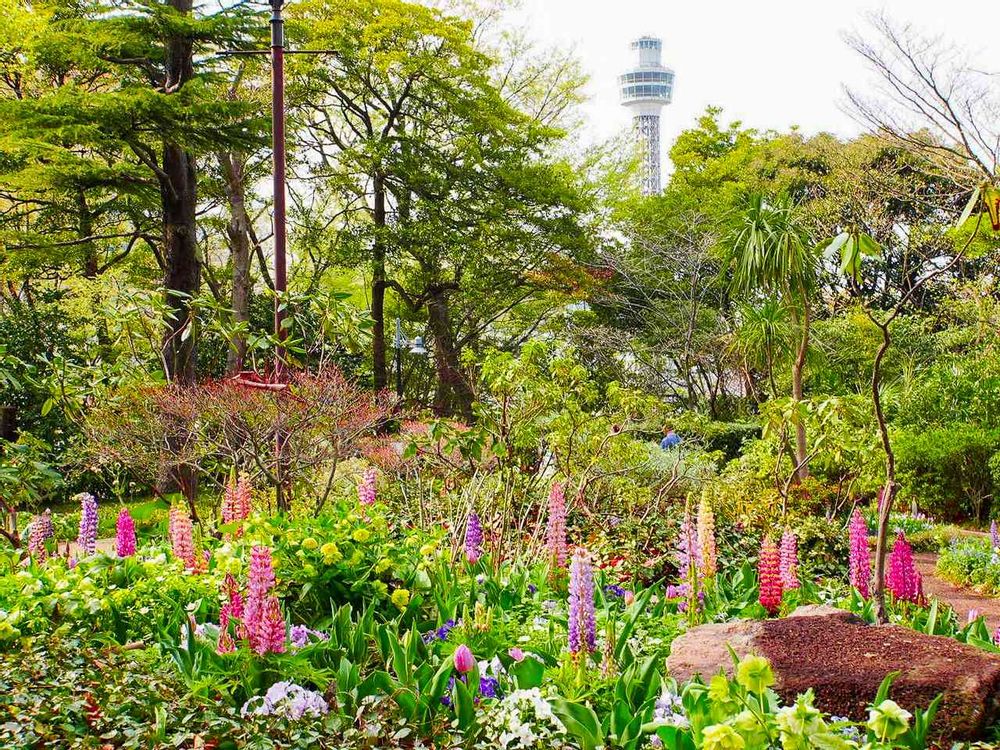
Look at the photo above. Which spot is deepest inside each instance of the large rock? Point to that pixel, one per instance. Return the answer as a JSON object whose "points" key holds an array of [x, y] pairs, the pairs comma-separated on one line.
{"points": [[844, 661]]}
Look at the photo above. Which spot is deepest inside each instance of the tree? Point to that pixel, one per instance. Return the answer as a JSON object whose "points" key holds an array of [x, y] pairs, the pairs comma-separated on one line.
{"points": [[771, 251]]}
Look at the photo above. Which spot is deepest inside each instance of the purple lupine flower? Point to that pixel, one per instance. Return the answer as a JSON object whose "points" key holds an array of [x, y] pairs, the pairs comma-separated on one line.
{"points": [[87, 538], [689, 560], [994, 536], [582, 621], [41, 532], [789, 564], [473, 538], [298, 635]]}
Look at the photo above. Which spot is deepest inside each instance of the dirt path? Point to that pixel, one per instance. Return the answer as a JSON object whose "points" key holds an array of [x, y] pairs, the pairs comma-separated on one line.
{"points": [[960, 599]]}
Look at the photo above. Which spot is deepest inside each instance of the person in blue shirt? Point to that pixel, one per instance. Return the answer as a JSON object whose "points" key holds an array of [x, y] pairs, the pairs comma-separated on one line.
{"points": [[670, 439]]}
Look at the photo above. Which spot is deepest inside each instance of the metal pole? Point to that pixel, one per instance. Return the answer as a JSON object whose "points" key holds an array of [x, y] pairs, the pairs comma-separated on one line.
{"points": [[398, 344], [278, 150], [282, 492]]}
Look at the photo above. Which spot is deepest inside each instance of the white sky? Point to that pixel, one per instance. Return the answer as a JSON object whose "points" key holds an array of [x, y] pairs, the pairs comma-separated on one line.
{"points": [[770, 63]]}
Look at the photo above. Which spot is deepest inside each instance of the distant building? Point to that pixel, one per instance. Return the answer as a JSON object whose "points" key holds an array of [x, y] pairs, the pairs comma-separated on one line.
{"points": [[645, 89]]}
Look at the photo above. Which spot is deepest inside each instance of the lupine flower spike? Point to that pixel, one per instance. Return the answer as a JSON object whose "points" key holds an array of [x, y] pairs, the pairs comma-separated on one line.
{"points": [[706, 539], [689, 558], [41, 532], [860, 561], [994, 536], [769, 575], [555, 531], [789, 560], [87, 538], [125, 534], [367, 488], [903, 579], [473, 538], [582, 620], [182, 538], [271, 632], [260, 583]]}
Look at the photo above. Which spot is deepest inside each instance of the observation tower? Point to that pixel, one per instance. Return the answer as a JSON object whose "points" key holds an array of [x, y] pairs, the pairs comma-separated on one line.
{"points": [[645, 90]]}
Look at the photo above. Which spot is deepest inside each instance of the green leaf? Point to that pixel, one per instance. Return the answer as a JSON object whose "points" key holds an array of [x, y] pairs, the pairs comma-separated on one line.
{"points": [[528, 672], [967, 211], [581, 722]]}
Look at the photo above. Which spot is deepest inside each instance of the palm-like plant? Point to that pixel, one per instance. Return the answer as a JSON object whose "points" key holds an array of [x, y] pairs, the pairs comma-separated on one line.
{"points": [[763, 337], [771, 253]]}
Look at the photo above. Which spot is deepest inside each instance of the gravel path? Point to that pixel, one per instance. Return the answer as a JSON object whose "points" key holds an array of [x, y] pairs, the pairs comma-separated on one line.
{"points": [[962, 600]]}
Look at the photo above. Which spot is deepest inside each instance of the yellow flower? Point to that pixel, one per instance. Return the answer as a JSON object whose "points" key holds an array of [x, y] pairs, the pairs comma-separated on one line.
{"points": [[400, 597], [382, 565], [380, 588], [331, 553], [427, 550], [754, 674], [361, 535], [309, 543], [721, 737]]}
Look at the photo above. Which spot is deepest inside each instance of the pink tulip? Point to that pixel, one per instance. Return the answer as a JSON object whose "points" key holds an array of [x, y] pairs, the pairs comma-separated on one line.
{"points": [[516, 654], [464, 660]]}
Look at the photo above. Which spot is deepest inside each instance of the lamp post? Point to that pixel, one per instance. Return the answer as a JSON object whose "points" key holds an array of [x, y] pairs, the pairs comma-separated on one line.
{"points": [[416, 346]]}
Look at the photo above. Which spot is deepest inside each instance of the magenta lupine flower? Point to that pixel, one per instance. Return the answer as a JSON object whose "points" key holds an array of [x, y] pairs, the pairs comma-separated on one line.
{"points": [[902, 578], [182, 537], [860, 566], [789, 560], [260, 583], [41, 532], [271, 630], [555, 530], [473, 538], [87, 538], [769, 576], [125, 534], [994, 536], [582, 621], [689, 561], [367, 488]]}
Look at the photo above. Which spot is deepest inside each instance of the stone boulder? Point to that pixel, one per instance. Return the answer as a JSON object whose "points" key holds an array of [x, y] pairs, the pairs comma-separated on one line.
{"points": [[844, 660]]}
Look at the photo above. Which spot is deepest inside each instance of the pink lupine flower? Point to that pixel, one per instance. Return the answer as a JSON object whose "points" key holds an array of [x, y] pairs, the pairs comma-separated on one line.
{"points": [[271, 634], [464, 660], [236, 501], [860, 566], [182, 538], [260, 583], [706, 539], [769, 575], [41, 532], [582, 621], [125, 534], [367, 488], [903, 579], [555, 530], [225, 644], [789, 560]]}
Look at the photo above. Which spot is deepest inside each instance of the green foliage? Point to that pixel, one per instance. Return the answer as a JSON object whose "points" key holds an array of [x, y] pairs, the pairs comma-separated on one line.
{"points": [[946, 470]]}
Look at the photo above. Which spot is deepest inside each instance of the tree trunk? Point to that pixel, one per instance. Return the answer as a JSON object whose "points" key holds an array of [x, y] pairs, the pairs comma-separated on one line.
{"points": [[379, 371], [179, 198], [889, 491], [238, 232], [453, 394], [801, 447]]}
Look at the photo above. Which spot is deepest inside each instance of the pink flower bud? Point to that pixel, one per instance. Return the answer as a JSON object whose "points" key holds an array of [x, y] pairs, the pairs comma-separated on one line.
{"points": [[464, 660], [516, 654], [629, 598]]}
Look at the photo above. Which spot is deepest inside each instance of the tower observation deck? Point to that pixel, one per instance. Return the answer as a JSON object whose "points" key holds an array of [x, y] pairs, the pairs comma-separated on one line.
{"points": [[646, 89]]}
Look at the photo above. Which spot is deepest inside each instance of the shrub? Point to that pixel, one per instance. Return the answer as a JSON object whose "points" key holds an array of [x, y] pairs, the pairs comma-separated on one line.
{"points": [[946, 470]]}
